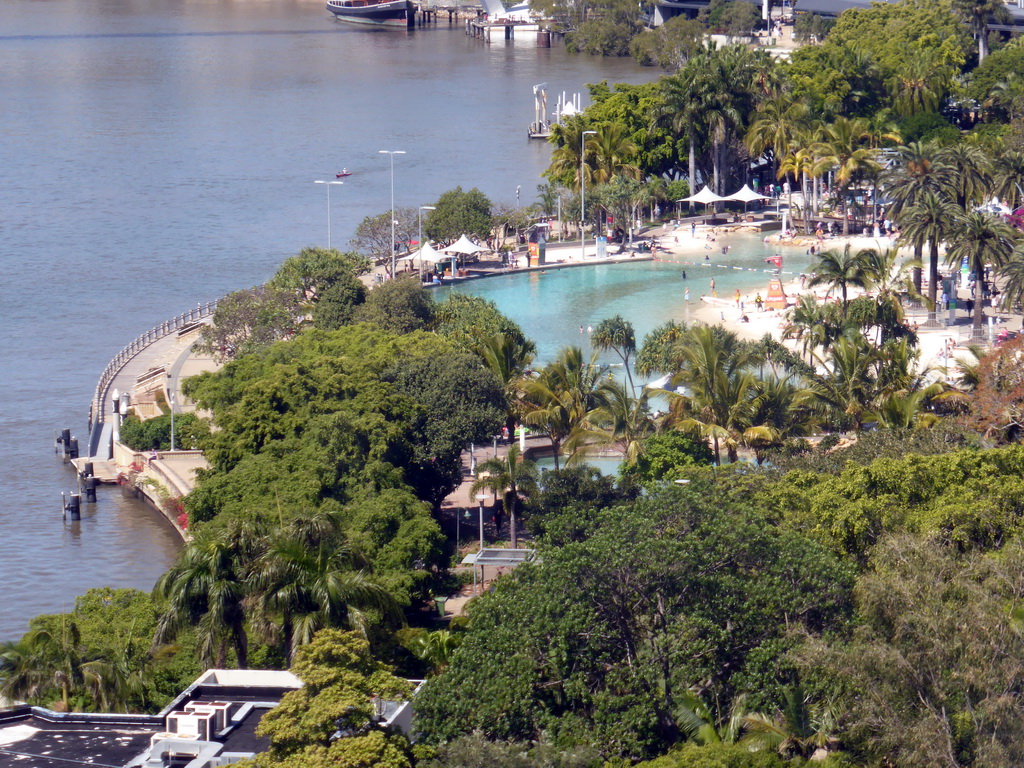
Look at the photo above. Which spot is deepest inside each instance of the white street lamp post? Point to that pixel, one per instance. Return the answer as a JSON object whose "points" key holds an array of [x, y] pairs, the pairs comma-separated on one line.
{"points": [[392, 153], [329, 185], [422, 209], [480, 500], [583, 193]]}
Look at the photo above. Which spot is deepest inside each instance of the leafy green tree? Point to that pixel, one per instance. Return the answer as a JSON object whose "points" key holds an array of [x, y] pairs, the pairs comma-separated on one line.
{"points": [[154, 434], [659, 351], [667, 456], [460, 213], [250, 320], [331, 720], [400, 306], [373, 235], [462, 403], [337, 304], [916, 688], [600, 643], [313, 270], [670, 45], [467, 321]]}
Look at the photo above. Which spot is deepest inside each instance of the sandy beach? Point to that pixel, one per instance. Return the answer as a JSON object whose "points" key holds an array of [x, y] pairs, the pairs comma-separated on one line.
{"points": [[730, 310]]}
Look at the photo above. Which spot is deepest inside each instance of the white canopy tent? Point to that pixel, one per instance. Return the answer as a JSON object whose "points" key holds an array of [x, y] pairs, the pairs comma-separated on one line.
{"points": [[705, 196], [464, 246], [745, 195]]}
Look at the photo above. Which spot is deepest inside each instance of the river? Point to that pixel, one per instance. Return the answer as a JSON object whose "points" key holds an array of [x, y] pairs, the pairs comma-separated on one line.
{"points": [[160, 153]]}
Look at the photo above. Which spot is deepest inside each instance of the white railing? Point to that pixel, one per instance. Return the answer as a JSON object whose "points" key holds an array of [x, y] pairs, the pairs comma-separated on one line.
{"points": [[96, 413]]}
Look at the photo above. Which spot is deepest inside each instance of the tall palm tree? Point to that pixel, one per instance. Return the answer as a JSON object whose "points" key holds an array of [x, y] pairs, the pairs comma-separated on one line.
{"points": [[968, 173], [921, 84], [774, 126], [509, 475], [617, 335], [1008, 177], [977, 14], [310, 577], [840, 269], [613, 153], [560, 397], [918, 169], [508, 357], [846, 150], [569, 156], [678, 109], [621, 421], [929, 220], [719, 388], [981, 239], [207, 588]]}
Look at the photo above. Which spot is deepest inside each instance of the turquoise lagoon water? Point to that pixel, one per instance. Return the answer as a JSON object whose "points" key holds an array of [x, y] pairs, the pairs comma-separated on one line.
{"points": [[551, 306]]}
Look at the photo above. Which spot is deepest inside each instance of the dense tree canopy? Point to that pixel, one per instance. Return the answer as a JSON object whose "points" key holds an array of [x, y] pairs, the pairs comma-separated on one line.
{"points": [[598, 643]]}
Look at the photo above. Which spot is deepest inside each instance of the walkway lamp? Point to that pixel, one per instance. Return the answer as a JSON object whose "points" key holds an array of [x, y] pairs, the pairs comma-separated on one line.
{"points": [[392, 153], [329, 184], [583, 193]]}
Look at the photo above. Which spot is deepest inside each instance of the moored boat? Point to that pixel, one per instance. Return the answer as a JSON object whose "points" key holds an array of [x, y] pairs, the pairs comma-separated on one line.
{"points": [[388, 13]]}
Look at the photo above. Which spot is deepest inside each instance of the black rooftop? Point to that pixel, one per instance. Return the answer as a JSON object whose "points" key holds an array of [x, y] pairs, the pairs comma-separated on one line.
{"points": [[32, 742]]}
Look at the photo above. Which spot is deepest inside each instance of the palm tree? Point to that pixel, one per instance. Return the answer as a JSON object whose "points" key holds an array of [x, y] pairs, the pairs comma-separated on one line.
{"points": [[678, 109], [310, 577], [845, 150], [1008, 177], [613, 154], [617, 335], [840, 269], [720, 389], [1013, 277], [849, 387], [508, 356], [1006, 98], [928, 220], [508, 476], [917, 170], [921, 84], [569, 155], [621, 421], [807, 322], [967, 176], [207, 588], [981, 239], [773, 128], [699, 724], [560, 397], [44, 660], [977, 14], [907, 411], [799, 729], [781, 409]]}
